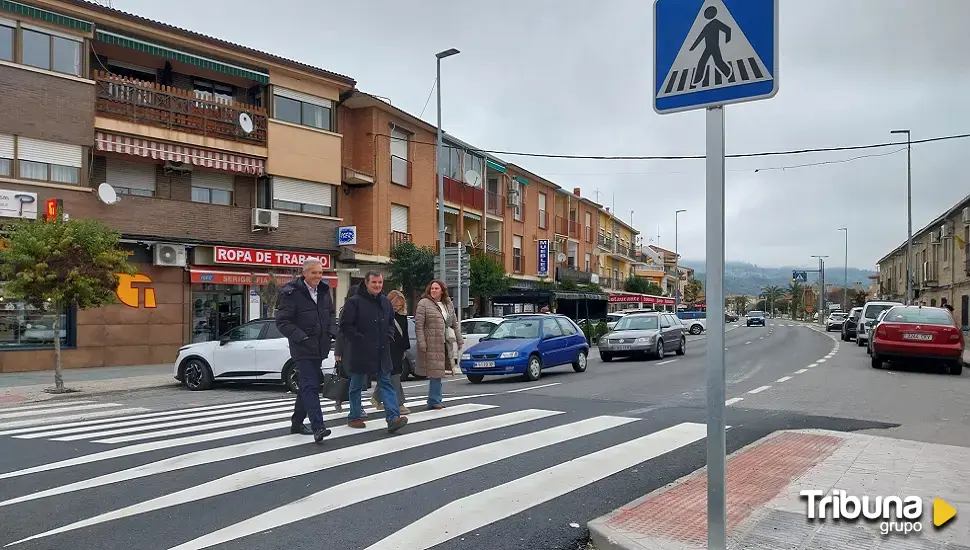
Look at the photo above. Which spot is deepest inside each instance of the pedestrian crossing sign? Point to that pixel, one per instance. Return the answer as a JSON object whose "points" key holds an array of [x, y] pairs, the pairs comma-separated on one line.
{"points": [[714, 52]]}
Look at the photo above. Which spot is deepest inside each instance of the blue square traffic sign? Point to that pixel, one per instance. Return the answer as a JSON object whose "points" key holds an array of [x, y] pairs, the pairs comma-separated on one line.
{"points": [[714, 52]]}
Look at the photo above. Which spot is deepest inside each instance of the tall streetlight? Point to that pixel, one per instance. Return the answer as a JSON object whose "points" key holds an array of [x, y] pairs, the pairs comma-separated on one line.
{"points": [[845, 284], [909, 214], [441, 177], [821, 288], [677, 261]]}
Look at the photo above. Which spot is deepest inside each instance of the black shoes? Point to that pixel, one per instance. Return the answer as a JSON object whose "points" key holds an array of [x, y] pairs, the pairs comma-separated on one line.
{"points": [[300, 430], [318, 435]]}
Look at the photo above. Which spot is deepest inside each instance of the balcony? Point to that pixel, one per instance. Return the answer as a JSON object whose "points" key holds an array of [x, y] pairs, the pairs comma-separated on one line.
{"points": [[176, 109], [562, 226], [605, 242], [495, 204], [400, 237], [400, 171], [574, 229], [575, 275], [465, 195]]}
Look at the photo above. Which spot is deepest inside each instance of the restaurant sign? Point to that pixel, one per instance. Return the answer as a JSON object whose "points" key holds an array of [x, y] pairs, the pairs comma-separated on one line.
{"points": [[268, 258], [640, 299]]}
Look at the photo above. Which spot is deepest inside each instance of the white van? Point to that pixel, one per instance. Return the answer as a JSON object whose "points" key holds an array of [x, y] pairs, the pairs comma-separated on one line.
{"points": [[867, 321]]}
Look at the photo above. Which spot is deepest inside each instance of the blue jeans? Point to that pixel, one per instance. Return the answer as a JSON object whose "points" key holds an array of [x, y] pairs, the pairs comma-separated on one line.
{"points": [[387, 392], [434, 392]]}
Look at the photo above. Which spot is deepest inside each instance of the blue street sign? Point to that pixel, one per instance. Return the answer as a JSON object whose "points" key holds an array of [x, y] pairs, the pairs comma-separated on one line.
{"points": [[800, 276], [543, 248], [713, 52]]}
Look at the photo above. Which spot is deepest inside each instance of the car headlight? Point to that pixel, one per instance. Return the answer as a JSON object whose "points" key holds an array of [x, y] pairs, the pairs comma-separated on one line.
{"points": [[466, 356], [509, 355], [645, 339]]}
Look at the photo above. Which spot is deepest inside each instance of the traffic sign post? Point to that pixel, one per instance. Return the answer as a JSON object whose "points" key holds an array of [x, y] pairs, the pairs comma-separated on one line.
{"points": [[708, 54], [799, 276], [456, 274]]}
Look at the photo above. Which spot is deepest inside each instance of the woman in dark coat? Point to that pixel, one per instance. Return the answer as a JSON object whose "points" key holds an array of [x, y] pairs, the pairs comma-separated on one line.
{"points": [[399, 346]]}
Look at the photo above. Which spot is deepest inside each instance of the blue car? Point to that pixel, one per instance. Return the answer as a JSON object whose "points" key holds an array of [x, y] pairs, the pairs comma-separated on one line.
{"points": [[526, 344]]}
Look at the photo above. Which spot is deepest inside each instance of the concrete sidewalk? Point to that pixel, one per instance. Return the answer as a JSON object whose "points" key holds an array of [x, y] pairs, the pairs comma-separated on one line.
{"points": [[766, 512], [20, 387]]}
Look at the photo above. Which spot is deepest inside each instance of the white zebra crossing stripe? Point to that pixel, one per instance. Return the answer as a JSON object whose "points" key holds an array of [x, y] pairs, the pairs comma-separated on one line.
{"points": [[76, 427], [62, 409], [41, 406], [249, 448], [241, 415], [480, 509], [399, 479], [40, 421]]}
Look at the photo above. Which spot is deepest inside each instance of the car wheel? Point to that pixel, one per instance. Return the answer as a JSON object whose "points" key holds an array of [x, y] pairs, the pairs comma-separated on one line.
{"points": [[534, 369], [580, 364], [291, 378], [659, 352], [682, 349], [197, 374], [695, 330], [876, 361], [606, 357], [858, 342], [476, 378], [955, 368]]}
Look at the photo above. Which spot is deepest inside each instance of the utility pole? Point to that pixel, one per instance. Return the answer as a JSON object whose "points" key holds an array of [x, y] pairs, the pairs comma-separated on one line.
{"points": [[677, 260], [821, 288], [845, 283], [909, 214], [441, 177]]}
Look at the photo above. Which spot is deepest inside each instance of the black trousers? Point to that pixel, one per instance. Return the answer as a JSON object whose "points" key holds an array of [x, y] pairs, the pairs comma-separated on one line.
{"points": [[308, 400]]}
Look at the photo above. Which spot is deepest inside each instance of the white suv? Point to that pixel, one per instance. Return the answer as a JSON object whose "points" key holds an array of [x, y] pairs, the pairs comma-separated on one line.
{"points": [[867, 321]]}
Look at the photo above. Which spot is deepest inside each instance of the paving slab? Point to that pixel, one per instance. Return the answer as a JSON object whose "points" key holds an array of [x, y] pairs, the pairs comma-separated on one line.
{"points": [[25, 387]]}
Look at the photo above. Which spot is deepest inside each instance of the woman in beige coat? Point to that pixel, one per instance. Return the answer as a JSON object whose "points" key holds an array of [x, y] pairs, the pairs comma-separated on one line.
{"points": [[439, 339]]}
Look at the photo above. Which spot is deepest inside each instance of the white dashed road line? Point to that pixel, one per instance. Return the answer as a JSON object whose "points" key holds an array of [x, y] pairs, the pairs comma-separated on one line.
{"points": [[666, 362], [761, 389], [784, 379], [747, 343], [733, 400], [801, 371]]}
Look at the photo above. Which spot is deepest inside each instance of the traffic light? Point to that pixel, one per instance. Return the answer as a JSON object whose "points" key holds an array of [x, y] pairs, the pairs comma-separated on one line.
{"points": [[52, 207]]}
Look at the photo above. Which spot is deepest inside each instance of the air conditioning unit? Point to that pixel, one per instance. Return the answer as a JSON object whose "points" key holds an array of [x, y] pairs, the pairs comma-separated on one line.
{"points": [[265, 219], [513, 198], [169, 255], [944, 231], [935, 237], [966, 215]]}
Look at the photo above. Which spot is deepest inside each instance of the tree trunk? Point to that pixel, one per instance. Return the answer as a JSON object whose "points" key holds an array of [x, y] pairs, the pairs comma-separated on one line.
{"points": [[58, 377]]}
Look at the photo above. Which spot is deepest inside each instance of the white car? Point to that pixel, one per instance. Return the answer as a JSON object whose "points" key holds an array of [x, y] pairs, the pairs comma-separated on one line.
{"points": [[253, 352], [695, 326], [867, 321], [835, 321], [476, 328]]}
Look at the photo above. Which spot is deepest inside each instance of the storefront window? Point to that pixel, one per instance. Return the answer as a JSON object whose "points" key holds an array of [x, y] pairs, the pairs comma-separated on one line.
{"points": [[217, 309], [24, 326]]}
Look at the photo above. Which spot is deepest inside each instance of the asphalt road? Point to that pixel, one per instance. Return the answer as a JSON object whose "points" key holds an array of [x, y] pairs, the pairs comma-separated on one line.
{"points": [[507, 465]]}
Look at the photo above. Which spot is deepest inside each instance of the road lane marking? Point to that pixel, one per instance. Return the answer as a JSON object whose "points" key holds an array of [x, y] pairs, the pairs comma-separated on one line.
{"points": [[821, 361], [759, 390], [733, 400], [61, 409], [534, 387], [68, 418], [44, 406], [666, 362], [801, 371], [812, 366], [761, 338], [784, 379], [747, 343]]}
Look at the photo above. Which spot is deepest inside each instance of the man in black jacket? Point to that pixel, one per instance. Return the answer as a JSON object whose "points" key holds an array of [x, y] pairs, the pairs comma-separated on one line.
{"points": [[305, 315], [367, 323]]}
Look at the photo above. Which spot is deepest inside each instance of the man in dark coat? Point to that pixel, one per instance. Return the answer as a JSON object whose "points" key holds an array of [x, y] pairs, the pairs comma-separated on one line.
{"points": [[305, 316], [367, 323]]}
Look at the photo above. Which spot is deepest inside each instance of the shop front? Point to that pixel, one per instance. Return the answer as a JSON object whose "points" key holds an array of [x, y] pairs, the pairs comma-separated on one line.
{"points": [[630, 300]]}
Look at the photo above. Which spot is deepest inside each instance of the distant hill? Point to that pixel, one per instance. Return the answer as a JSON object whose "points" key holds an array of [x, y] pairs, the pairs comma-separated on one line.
{"points": [[745, 278]]}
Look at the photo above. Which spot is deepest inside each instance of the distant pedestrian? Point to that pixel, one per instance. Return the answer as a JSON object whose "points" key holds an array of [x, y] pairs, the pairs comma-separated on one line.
{"points": [[368, 324], [400, 344], [305, 316], [439, 339]]}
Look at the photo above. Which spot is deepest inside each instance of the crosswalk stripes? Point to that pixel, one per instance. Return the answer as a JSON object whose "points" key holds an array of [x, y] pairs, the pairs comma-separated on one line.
{"points": [[502, 435]]}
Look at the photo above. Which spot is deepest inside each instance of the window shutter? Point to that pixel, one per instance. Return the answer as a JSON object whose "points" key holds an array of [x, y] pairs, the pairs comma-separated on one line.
{"points": [[49, 152], [300, 96], [213, 180], [303, 192], [399, 218], [399, 143], [133, 175], [6, 146], [517, 242]]}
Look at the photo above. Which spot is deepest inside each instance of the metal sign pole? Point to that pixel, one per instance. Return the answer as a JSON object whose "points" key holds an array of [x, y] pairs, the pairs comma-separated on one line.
{"points": [[716, 440], [459, 303]]}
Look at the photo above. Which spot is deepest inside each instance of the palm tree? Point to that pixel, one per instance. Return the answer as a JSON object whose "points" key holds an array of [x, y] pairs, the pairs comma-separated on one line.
{"points": [[795, 289], [771, 293], [741, 305]]}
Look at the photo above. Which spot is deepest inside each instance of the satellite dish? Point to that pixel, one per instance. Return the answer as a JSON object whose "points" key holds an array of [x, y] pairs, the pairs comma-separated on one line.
{"points": [[107, 194], [561, 257], [473, 178], [246, 123]]}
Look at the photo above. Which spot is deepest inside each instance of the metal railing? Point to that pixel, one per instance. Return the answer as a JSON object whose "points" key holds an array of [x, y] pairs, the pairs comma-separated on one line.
{"points": [[398, 237], [495, 204]]}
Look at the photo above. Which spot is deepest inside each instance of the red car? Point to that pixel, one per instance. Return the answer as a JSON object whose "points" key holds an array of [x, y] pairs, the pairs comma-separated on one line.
{"points": [[927, 334]]}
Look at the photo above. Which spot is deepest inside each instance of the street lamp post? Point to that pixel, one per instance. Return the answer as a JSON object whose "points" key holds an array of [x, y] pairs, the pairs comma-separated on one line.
{"points": [[845, 284], [909, 214], [441, 177], [677, 261]]}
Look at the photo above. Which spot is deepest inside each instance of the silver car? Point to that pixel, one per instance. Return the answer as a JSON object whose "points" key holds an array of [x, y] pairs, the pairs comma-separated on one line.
{"points": [[653, 333]]}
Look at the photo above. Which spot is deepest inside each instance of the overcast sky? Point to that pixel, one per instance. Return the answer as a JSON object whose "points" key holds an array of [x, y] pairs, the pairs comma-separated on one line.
{"points": [[574, 77]]}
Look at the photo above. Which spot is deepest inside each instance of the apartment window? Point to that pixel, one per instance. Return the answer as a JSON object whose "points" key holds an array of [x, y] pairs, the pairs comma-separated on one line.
{"points": [[399, 218], [212, 188], [41, 160], [400, 167], [130, 178], [589, 262], [302, 109], [25, 326], [542, 211], [517, 263], [214, 91], [7, 33], [50, 51], [589, 227], [308, 197], [473, 163]]}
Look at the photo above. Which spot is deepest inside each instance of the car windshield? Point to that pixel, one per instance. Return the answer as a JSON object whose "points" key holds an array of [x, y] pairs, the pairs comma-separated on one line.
{"points": [[873, 311], [515, 328], [638, 322], [919, 315], [756, 314], [837, 315]]}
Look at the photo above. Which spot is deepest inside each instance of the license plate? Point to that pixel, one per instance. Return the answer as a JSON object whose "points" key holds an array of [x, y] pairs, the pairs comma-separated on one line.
{"points": [[484, 364], [918, 336], [622, 347]]}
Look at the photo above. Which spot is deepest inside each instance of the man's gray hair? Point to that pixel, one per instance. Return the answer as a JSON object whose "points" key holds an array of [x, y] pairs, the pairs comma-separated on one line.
{"points": [[372, 273], [310, 262]]}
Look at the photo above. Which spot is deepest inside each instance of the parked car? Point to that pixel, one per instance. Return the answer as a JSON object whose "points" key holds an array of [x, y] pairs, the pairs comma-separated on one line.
{"points": [[925, 333], [526, 344], [651, 333], [695, 324], [875, 326], [253, 352], [870, 311], [849, 326], [755, 318], [472, 330], [835, 321]]}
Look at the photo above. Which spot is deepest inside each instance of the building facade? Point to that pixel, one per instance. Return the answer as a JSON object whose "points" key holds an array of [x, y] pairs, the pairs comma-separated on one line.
{"points": [[616, 246]]}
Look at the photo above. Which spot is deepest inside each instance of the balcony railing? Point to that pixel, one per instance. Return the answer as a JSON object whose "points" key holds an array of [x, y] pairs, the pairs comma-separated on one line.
{"points": [[495, 204], [465, 195], [574, 229], [573, 274], [605, 242], [400, 171], [562, 225], [175, 109], [398, 237]]}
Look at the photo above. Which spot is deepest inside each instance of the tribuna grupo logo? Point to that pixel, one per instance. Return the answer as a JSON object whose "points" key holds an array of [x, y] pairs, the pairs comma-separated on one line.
{"points": [[895, 514]]}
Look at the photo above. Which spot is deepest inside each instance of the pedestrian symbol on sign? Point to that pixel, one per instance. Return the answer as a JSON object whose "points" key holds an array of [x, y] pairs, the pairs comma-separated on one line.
{"points": [[711, 35]]}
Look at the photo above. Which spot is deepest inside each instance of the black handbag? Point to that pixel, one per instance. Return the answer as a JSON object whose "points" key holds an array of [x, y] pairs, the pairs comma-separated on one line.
{"points": [[335, 387]]}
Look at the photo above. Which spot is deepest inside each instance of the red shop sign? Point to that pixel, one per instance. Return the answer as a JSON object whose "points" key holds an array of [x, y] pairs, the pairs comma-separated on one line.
{"points": [[269, 258], [640, 299], [213, 277]]}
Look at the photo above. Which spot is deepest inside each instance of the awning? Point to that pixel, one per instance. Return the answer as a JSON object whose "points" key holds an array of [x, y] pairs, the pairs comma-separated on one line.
{"points": [[201, 275], [451, 210], [205, 158], [495, 166], [473, 216]]}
